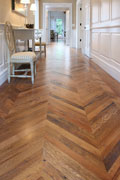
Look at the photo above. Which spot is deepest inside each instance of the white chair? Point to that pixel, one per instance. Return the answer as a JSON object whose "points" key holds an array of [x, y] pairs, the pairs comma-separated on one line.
{"points": [[39, 43], [18, 58]]}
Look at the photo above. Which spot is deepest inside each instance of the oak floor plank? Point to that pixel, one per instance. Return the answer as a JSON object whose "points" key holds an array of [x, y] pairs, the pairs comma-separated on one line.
{"points": [[64, 127]]}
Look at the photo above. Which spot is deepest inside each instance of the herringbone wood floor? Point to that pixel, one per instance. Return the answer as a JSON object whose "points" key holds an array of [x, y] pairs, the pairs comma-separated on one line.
{"points": [[64, 127]]}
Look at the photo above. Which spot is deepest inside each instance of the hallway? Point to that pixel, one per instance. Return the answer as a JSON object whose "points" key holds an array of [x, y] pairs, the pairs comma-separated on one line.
{"points": [[64, 127]]}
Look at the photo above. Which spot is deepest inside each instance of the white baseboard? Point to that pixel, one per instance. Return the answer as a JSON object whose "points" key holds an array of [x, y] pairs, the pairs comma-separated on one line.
{"points": [[3, 77], [110, 69], [73, 45]]}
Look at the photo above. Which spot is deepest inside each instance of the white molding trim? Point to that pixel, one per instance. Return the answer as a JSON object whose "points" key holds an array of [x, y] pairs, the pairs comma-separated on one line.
{"points": [[57, 5], [110, 69], [78, 3], [37, 15], [3, 56], [3, 76]]}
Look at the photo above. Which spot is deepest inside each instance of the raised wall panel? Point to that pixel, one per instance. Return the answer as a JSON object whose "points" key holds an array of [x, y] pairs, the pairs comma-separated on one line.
{"points": [[105, 10], [108, 55], [95, 41], [115, 47], [95, 11], [3, 56], [105, 44], [3, 52], [115, 9]]}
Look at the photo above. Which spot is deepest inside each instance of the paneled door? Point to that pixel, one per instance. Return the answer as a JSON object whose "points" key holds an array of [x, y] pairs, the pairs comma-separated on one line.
{"points": [[86, 27]]}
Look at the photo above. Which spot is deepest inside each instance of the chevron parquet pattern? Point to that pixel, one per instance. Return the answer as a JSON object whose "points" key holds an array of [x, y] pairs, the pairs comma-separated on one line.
{"points": [[64, 127]]}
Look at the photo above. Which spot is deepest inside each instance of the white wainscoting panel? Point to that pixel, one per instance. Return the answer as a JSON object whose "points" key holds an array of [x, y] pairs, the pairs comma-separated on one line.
{"points": [[106, 51], [73, 43], [95, 42], [105, 35], [115, 9], [3, 56], [105, 39], [95, 11], [115, 47], [105, 10]]}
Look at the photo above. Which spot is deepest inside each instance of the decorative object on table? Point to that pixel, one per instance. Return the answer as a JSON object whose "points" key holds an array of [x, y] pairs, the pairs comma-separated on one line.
{"points": [[18, 58], [30, 26], [25, 3], [17, 7]]}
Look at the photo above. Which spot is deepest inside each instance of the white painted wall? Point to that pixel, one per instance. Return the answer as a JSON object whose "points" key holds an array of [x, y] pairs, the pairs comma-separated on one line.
{"points": [[6, 14]]}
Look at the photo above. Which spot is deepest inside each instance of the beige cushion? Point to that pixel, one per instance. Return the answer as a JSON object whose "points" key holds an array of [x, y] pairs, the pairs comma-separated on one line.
{"points": [[38, 44], [23, 57]]}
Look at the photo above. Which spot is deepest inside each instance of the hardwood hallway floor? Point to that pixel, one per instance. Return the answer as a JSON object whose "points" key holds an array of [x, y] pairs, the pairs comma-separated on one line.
{"points": [[64, 127]]}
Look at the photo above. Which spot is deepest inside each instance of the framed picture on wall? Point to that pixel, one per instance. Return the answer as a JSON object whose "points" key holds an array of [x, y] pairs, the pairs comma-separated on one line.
{"points": [[17, 7]]}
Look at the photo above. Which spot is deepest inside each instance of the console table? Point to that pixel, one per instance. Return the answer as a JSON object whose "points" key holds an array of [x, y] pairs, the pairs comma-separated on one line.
{"points": [[25, 34]]}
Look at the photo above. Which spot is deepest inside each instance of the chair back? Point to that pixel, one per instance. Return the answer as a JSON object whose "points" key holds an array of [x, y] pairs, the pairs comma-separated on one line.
{"points": [[9, 36], [38, 33]]}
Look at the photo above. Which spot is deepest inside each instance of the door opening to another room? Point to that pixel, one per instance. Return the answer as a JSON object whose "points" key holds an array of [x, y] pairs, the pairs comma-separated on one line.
{"points": [[52, 12], [59, 28], [57, 25]]}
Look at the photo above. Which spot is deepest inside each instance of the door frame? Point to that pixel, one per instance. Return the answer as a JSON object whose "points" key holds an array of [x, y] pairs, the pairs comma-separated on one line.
{"points": [[37, 14], [56, 5], [78, 3]]}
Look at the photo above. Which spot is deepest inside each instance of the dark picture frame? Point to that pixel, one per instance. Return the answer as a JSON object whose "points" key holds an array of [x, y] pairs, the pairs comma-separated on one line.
{"points": [[18, 8]]}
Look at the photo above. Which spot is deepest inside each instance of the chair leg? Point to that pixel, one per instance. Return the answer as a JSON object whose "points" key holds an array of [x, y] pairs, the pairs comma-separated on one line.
{"points": [[8, 72], [40, 50], [32, 72], [13, 69], [45, 50], [35, 67]]}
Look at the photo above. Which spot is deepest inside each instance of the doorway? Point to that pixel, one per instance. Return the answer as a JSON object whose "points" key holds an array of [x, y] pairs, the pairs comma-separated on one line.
{"points": [[58, 7], [59, 28], [57, 25]]}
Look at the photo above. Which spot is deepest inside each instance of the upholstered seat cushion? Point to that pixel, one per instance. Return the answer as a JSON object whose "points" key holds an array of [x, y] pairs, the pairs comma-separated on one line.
{"points": [[23, 57], [38, 44]]}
